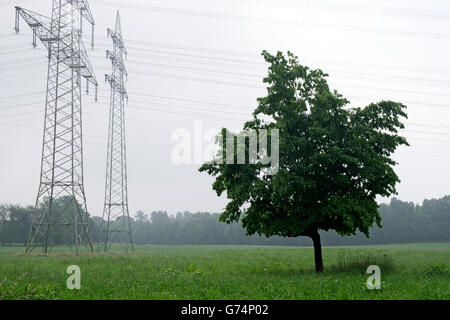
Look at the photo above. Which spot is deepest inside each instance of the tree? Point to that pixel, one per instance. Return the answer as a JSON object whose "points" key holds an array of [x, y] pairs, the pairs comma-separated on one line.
{"points": [[4, 215], [333, 160], [141, 216], [437, 211], [19, 223]]}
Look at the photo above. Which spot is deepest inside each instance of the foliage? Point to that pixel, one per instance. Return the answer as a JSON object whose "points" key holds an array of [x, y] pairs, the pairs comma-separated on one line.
{"points": [[334, 160]]}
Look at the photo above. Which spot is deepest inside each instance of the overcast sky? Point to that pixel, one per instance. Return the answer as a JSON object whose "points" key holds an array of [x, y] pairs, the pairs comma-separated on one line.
{"points": [[193, 60]]}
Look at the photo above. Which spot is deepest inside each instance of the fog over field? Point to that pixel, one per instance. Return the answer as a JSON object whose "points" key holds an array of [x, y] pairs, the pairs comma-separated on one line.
{"points": [[200, 60]]}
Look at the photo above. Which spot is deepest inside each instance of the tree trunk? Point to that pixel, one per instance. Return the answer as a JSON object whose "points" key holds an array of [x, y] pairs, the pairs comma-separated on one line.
{"points": [[315, 236]]}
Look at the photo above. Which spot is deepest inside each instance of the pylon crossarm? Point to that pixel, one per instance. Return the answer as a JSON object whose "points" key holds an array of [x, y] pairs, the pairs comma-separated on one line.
{"points": [[85, 10], [117, 40], [41, 26], [116, 85], [117, 60], [87, 72]]}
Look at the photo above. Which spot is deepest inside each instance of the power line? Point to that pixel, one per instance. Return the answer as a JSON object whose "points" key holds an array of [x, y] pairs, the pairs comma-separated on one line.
{"points": [[351, 8], [254, 19], [346, 74]]}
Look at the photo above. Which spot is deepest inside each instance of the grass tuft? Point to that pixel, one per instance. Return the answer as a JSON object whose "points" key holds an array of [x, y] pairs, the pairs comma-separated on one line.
{"points": [[349, 261], [437, 270]]}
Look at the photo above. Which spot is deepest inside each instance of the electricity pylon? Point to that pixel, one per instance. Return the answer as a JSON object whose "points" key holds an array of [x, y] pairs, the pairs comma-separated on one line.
{"points": [[116, 227], [61, 202]]}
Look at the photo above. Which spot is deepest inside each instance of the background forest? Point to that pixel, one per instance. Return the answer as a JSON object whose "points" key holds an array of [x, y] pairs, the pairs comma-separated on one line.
{"points": [[402, 222]]}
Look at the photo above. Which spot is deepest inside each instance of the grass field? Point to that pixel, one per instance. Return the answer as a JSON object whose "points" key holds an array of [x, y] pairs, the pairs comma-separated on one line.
{"points": [[412, 271]]}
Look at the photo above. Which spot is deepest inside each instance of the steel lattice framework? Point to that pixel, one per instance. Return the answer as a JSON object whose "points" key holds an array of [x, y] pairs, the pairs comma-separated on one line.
{"points": [[61, 201], [117, 227]]}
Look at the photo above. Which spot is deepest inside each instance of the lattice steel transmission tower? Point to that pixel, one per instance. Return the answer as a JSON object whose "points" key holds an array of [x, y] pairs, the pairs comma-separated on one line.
{"points": [[60, 210], [116, 217]]}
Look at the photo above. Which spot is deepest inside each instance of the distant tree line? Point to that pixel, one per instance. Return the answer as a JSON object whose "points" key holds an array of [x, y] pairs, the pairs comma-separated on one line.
{"points": [[403, 222]]}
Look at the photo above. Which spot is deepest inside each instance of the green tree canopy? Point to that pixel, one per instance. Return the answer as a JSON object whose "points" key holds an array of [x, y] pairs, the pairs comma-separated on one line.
{"points": [[333, 160]]}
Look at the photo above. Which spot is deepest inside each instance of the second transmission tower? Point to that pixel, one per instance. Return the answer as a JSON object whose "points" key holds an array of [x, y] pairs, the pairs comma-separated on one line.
{"points": [[116, 217]]}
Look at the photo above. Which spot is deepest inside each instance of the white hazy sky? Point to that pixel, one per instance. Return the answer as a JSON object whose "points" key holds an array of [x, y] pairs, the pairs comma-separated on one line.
{"points": [[194, 60]]}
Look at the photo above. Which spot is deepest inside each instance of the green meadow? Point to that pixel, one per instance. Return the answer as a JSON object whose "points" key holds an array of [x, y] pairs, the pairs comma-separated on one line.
{"points": [[409, 271]]}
